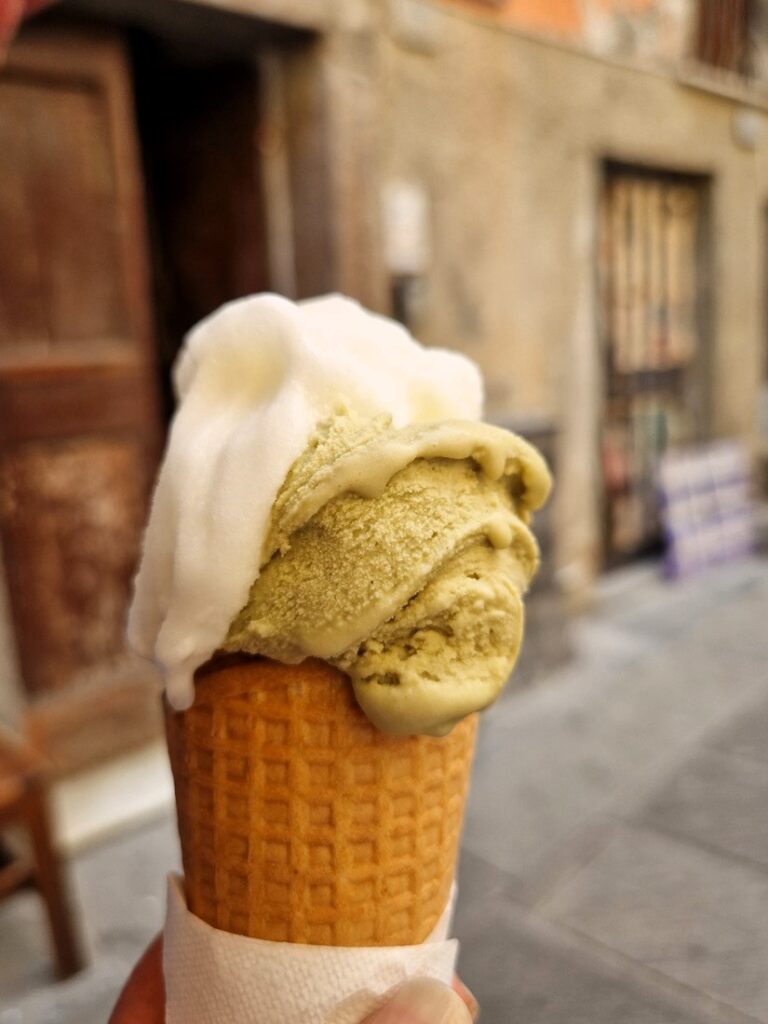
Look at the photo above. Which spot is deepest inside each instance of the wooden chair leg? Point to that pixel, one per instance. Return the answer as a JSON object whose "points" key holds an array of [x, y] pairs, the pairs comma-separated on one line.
{"points": [[66, 943]]}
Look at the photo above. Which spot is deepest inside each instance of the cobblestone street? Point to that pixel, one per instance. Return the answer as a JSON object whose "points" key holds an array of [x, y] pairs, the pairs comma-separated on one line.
{"points": [[615, 860]]}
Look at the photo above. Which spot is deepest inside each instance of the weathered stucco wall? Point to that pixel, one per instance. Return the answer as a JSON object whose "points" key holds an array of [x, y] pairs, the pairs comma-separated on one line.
{"points": [[508, 135]]}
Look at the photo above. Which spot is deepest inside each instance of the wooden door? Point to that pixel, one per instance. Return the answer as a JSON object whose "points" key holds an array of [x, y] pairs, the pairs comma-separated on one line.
{"points": [[78, 411]]}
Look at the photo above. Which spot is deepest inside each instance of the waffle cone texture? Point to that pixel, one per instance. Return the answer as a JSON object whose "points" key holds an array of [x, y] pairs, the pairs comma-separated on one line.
{"points": [[300, 821]]}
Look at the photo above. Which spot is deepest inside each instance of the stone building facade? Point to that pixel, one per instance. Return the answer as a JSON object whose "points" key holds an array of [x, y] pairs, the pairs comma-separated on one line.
{"points": [[511, 131]]}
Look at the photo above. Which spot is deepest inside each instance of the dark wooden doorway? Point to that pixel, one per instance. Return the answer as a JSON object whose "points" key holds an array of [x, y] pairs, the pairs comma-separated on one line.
{"points": [[79, 428], [198, 121], [130, 206]]}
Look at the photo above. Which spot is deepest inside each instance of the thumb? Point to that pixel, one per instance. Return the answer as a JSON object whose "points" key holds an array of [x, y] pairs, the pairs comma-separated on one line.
{"points": [[422, 1001]]}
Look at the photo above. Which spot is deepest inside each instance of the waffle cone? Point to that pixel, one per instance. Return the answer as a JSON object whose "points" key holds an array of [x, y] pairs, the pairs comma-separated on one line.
{"points": [[301, 822]]}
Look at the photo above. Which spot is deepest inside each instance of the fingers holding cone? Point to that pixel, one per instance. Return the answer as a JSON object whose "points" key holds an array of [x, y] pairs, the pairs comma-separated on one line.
{"points": [[466, 997], [418, 1001], [427, 1001]]}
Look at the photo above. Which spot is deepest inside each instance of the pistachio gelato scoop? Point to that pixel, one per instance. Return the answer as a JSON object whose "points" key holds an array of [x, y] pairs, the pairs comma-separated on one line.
{"points": [[401, 555], [327, 489]]}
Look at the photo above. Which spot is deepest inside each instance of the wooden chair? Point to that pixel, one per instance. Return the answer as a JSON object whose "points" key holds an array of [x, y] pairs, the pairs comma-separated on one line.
{"points": [[24, 806]]}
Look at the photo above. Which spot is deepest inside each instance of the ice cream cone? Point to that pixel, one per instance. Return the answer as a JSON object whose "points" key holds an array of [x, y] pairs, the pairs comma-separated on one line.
{"points": [[300, 821]]}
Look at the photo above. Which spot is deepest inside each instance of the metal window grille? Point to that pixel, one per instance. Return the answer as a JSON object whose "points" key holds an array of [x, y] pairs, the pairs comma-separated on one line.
{"points": [[650, 277], [722, 38]]}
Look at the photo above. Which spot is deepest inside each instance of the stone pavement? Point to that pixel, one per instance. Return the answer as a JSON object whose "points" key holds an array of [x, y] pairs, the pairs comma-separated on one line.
{"points": [[615, 858], [120, 890]]}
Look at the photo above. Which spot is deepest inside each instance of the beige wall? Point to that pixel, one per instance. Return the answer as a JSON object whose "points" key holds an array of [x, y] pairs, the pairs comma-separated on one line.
{"points": [[508, 133]]}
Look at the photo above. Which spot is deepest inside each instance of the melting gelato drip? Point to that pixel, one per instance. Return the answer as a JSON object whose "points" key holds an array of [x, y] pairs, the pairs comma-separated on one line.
{"points": [[401, 555]]}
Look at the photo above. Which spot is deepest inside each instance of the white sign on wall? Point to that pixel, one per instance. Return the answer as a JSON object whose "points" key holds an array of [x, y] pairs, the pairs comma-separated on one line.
{"points": [[406, 227]]}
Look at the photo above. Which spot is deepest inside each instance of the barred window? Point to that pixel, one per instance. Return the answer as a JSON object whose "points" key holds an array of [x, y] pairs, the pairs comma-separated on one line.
{"points": [[651, 271]]}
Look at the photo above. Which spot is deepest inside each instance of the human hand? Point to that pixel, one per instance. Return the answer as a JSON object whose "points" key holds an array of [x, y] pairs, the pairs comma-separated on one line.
{"points": [[419, 1001], [142, 1000], [426, 1001]]}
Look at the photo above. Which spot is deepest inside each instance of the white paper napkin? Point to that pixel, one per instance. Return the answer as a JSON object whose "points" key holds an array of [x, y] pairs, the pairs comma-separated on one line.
{"points": [[213, 977]]}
